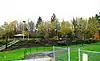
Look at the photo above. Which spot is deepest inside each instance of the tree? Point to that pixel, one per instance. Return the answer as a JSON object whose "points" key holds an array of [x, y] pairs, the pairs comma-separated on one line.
{"points": [[75, 30], [3, 29], [48, 30], [1, 32], [31, 28], [19, 28], [92, 27], [66, 28], [41, 30], [38, 21], [11, 29], [81, 28], [53, 18]]}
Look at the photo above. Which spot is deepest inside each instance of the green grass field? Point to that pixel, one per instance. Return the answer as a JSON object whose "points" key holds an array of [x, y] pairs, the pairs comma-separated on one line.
{"points": [[74, 52], [19, 53]]}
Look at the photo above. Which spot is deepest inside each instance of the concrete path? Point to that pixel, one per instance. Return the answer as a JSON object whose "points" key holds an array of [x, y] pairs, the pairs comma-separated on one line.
{"points": [[39, 59]]}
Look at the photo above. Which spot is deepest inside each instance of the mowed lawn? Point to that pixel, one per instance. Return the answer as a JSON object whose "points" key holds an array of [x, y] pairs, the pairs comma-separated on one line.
{"points": [[87, 47], [19, 53]]}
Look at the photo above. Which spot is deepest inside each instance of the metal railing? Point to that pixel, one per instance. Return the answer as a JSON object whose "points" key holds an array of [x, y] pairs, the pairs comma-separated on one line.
{"points": [[91, 55], [9, 44]]}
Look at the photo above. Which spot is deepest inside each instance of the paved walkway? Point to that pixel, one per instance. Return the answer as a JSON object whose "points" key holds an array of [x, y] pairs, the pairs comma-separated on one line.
{"points": [[43, 56], [39, 55], [38, 59]]}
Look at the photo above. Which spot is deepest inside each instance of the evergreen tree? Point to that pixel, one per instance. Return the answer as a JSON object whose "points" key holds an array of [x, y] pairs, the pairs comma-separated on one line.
{"points": [[53, 18], [39, 22]]}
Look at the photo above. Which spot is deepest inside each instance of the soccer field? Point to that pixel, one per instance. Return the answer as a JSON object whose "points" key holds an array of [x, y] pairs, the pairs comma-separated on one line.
{"points": [[18, 54]]}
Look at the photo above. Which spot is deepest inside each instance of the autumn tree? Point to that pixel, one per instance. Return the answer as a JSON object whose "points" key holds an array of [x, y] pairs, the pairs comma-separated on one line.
{"points": [[92, 27], [81, 28], [48, 30], [66, 29], [1, 32], [11, 29]]}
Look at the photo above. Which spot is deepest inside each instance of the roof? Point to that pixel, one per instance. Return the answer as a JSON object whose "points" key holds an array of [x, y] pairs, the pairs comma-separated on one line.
{"points": [[19, 35]]}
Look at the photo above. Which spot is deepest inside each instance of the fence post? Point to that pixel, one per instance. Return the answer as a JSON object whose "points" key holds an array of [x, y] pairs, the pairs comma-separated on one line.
{"points": [[36, 49], [30, 50], [53, 53], [24, 52], [44, 48], [68, 54], [78, 54]]}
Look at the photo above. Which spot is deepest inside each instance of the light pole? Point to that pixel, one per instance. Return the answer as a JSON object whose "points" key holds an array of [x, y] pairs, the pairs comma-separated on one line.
{"points": [[6, 33], [23, 29], [28, 29], [28, 34]]}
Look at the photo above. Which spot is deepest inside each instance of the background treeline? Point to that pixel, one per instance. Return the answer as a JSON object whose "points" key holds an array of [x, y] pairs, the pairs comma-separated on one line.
{"points": [[78, 30]]}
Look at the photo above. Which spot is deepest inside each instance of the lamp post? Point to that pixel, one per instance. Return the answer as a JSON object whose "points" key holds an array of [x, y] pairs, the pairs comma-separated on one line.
{"points": [[28, 29], [23, 29], [5, 32]]}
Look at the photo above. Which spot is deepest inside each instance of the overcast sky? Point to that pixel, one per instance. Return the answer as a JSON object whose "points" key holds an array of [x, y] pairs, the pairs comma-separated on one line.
{"points": [[32, 9]]}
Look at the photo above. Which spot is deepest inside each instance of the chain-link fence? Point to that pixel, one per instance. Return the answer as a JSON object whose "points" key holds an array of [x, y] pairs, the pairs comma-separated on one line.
{"points": [[88, 55], [61, 54], [56, 53]]}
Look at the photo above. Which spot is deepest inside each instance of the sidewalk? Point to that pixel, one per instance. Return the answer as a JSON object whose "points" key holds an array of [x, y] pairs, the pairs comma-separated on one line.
{"points": [[39, 59]]}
